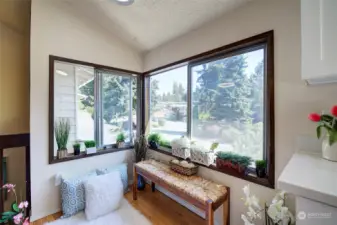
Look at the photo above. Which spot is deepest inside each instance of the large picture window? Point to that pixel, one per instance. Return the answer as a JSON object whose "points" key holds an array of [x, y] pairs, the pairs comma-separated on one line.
{"points": [[223, 96]]}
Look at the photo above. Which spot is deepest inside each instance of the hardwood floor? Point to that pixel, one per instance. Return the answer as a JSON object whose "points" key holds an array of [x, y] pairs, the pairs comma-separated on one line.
{"points": [[158, 208]]}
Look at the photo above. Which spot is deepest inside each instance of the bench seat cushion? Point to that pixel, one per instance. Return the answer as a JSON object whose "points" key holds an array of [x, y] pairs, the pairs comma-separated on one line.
{"points": [[194, 186]]}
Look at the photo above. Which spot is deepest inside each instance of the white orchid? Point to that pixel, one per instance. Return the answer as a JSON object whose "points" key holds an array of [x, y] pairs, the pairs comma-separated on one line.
{"points": [[276, 211]]}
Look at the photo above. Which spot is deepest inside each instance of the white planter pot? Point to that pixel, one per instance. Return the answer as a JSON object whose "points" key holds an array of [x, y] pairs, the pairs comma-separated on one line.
{"points": [[91, 150], [329, 152]]}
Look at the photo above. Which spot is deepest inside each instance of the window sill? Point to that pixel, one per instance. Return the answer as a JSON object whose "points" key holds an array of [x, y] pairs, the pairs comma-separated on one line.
{"points": [[82, 155], [251, 177]]}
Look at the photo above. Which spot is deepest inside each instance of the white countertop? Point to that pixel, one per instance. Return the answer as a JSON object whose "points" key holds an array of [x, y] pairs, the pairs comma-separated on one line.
{"points": [[310, 176]]}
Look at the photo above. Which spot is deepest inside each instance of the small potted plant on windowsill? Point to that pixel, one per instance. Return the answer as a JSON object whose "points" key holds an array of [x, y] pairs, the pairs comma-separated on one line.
{"points": [[90, 147], [260, 167], [62, 129], [77, 148], [120, 140], [232, 161], [154, 140]]}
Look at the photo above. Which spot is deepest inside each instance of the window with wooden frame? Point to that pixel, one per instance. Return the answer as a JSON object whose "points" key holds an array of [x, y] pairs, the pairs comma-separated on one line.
{"points": [[225, 95]]}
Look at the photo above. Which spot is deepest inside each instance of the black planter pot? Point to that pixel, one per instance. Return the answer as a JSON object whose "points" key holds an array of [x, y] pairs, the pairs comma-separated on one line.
{"points": [[77, 151], [153, 145], [261, 172], [140, 183]]}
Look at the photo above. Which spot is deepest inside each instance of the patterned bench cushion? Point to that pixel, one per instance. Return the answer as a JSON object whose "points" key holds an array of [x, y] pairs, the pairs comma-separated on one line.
{"points": [[194, 186]]}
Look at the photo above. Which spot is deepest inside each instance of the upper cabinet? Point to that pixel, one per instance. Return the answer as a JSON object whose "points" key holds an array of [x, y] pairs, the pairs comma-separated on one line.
{"points": [[319, 41]]}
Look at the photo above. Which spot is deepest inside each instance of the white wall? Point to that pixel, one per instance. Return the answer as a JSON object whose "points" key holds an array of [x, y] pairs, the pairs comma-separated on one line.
{"points": [[293, 100], [57, 29]]}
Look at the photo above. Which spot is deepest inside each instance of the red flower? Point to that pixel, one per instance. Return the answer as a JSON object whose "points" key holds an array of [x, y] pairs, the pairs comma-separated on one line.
{"points": [[315, 117], [334, 110]]}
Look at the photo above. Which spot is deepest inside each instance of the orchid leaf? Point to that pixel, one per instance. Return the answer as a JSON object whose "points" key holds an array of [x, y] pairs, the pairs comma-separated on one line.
{"points": [[15, 207]]}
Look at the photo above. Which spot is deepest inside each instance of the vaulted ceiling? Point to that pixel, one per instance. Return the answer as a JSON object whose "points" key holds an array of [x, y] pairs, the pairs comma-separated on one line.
{"points": [[147, 24]]}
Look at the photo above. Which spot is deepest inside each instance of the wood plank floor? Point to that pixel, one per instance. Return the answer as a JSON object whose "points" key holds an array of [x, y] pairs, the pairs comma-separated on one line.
{"points": [[157, 207]]}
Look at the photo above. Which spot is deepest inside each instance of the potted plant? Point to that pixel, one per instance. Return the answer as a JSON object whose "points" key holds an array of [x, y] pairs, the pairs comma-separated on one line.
{"points": [[329, 123], [154, 140], [233, 161], [203, 155], [120, 140], [140, 151], [18, 212], [90, 147], [62, 129], [260, 167], [77, 148]]}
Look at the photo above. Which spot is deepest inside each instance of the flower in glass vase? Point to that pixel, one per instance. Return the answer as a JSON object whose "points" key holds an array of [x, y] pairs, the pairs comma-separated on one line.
{"points": [[327, 128], [17, 214]]}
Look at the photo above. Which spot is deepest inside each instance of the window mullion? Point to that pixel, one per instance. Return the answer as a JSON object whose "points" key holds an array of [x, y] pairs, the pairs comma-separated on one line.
{"points": [[130, 112], [189, 101]]}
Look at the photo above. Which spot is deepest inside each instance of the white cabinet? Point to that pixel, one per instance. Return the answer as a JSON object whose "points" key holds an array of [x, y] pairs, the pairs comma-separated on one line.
{"points": [[319, 40]]}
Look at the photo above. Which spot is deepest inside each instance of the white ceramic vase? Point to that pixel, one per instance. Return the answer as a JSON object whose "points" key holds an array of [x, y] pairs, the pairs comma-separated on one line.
{"points": [[329, 152]]}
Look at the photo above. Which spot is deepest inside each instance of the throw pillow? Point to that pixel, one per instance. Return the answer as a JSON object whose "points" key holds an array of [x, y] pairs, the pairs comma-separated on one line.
{"points": [[103, 194], [73, 194], [121, 168]]}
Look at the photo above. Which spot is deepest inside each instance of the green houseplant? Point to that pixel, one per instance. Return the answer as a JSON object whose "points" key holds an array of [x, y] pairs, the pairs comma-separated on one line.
{"points": [[62, 130], [231, 160], [120, 140], [154, 140], [260, 167], [77, 148], [90, 146]]}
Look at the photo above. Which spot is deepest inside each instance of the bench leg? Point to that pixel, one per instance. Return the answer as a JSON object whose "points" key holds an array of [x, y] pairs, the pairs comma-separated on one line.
{"points": [[153, 187], [209, 213], [226, 212], [134, 186]]}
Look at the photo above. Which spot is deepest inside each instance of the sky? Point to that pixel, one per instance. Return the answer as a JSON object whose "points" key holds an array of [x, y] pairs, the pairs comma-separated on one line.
{"points": [[166, 79]]}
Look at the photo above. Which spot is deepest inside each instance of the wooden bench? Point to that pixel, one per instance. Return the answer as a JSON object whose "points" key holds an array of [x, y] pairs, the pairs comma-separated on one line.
{"points": [[203, 194]]}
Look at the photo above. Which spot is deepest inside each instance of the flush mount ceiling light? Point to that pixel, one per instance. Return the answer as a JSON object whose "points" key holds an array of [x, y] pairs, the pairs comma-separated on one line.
{"points": [[124, 2], [61, 72]]}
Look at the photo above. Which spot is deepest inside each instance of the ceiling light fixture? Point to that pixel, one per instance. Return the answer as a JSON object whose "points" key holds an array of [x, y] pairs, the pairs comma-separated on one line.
{"points": [[124, 2], [61, 72]]}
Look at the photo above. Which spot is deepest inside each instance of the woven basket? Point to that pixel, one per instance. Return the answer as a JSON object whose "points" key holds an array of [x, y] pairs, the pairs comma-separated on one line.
{"points": [[183, 170]]}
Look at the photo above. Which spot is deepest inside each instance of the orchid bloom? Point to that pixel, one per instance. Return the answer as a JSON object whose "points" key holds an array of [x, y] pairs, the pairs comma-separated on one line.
{"points": [[17, 218], [23, 205], [9, 187], [245, 219], [26, 222]]}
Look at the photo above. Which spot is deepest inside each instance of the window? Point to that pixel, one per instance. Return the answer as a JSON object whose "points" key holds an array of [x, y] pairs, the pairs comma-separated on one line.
{"points": [[228, 102], [227, 98], [99, 104], [168, 104]]}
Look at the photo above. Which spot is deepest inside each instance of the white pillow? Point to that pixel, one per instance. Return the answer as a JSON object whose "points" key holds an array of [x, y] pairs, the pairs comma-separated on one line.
{"points": [[103, 194]]}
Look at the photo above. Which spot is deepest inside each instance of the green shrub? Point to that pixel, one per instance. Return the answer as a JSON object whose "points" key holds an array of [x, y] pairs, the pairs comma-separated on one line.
{"points": [[154, 137], [234, 158], [90, 144], [120, 137], [260, 164]]}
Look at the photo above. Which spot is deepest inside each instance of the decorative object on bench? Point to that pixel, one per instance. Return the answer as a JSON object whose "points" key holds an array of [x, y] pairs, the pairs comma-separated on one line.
{"points": [[276, 214], [62, 129], [120, 140], [17, 214], [232, 161], [329, 122], [203, 194], [123, 171], [260, 167], [140, 152], [77, 148], [181, 147], [73, 195], [90, 147], [154, 140], [202, 155], [183, 167], [103, 194]]}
